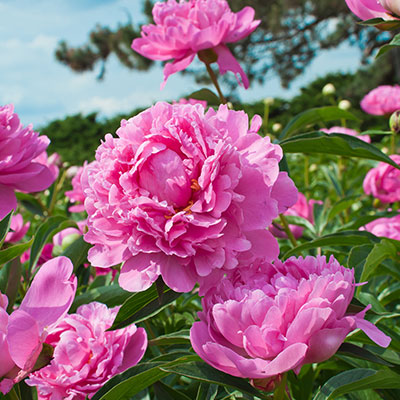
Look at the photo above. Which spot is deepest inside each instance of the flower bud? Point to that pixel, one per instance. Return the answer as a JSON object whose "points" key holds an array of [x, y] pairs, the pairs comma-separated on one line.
{"points": [[268, 101], [394, 122], [276, 127], [328, 89], [344, 105]]}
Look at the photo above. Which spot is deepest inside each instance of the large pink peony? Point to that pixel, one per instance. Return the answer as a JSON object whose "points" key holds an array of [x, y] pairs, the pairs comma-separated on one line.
{"points": [[86, 355], [269, 319], [304, 209], [347, 131], [383, 182], [182, 193], [22, 333], [19, 147], [368, 9], [387, 227], [382, 100], [183, 29]]}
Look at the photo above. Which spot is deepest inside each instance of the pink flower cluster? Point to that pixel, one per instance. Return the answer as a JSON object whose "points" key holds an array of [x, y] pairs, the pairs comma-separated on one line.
{"points": [[383, 181], [383, 100], [86, 355], [271, 318], [18, 169], [347, 131], [174, 195], [368, 9], [185, 28], [23, 333], [386, 227]]}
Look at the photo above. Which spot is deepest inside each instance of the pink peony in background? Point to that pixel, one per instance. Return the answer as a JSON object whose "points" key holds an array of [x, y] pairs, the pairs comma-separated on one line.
{"points": [[17, 229], [76, 195], [383, 181], [382, 100], [268, 319], [303, 208], [368, 9], [183, 29], [387, 227], [18, 169], [174, 195], [23, 332], [347, 131], [53, 162], [86, 355]]}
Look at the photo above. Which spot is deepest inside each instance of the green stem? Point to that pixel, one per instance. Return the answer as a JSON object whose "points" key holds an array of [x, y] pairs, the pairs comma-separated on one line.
{"points": [[12, 395], [57, 188], [306, 173], [215, 82], [266, 115], [393, 143], [287, 230]]}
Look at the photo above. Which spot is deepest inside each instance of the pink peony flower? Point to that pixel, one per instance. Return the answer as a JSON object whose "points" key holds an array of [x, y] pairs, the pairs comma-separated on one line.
{"points": [[45, 255], [382, 100], [76, 194], [302, 208], [174, 195], [368, 9], [383, 182], [387, 227], [86, 355], [17, 229], [269, 319], [53, 162], [347, 131], [22, 333], [18, 170], [183, 29]]}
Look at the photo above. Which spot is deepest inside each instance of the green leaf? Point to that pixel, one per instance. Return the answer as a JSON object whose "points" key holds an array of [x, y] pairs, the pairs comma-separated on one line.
{"points": [[395, 42], [349, 238], [305, 223], [205, 94], [180, 337], [203, 372], [5, 227], [14, 282], [30, 202], [335, 144], [165, 392], [207, 391], [77, 251], [45, 232], [341, 206], [379, 252], [361, 352], [12, 252], [358, 379], [111, 295], [357, 258], [142, 305], [313, 116], [135, 379]]}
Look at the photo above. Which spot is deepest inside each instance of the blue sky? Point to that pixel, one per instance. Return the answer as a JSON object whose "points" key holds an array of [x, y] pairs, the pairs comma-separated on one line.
{"points": [[42, 89]]}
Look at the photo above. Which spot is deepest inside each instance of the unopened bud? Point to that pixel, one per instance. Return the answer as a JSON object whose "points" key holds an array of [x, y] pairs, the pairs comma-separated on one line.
{"points": [[328, 89], [268, 101], [344, 105], [394, 122], [229, 105], [276, 127]]}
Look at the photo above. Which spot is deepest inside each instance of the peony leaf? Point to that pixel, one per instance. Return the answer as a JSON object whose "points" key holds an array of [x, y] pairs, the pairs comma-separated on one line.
{"points": [[352, 350], [395, 42], [142, 305], [207, 391], [5, 227], [165, 392], [358, 379], [77, 252], [313, 116], [335, 144], [206, 95], [205, 373], [180, 337], [14, 251], [31, 203]]}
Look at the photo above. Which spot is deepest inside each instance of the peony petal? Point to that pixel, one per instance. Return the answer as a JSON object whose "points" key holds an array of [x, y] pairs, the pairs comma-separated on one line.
{"points": [[176, 66], [134, 350], [8, 201]]}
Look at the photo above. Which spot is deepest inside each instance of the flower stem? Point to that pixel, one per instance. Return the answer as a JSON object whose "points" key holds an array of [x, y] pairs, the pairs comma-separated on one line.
{"points": [[287, 230], [215, 82], [306, 173], [12, 395], [393, 143]]}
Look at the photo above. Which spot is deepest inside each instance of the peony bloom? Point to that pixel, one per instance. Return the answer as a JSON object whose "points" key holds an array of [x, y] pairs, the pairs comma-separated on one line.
{"points": [[22, 333], [76, 194], [382, 100], [174, 195], [53, 162], [86, 355], [368, 9], [347, 131], [387, 227], [17, 229], [303, 208], [183, 29], [383, 181], [268, 319], [45, 255], [18, 170]]}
